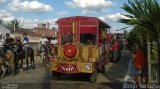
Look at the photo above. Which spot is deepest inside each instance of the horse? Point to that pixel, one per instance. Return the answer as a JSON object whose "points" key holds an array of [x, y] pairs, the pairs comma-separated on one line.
{"points": [[47, 51], [7, 59], [21, 54], [42, 54]]}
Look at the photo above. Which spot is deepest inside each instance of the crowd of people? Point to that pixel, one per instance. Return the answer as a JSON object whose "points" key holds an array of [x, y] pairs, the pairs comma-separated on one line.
{"points": [[13, 50], [7, 42]]}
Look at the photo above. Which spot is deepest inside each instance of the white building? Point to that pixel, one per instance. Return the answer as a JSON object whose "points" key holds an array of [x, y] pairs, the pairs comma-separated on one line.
{"points": [[4, 30]]}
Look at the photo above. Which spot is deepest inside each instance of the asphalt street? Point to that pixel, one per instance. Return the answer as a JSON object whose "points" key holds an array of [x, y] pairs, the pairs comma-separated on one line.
{"points": [[40, 78]]}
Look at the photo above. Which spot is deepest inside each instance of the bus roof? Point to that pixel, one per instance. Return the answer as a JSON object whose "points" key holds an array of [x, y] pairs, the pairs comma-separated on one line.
{"points": [[77, 18]]}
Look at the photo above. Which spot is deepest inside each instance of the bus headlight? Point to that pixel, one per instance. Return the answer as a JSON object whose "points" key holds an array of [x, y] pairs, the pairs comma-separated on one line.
{"points": [[88, 66]]}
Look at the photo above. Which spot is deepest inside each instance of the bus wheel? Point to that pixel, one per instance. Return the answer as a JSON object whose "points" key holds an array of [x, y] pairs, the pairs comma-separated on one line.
{"points": [[93, 77], [56, 75]]}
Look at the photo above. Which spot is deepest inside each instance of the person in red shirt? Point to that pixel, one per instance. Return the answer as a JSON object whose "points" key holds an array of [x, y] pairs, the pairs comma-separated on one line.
{"points": [[115, 46], [140, 64]]}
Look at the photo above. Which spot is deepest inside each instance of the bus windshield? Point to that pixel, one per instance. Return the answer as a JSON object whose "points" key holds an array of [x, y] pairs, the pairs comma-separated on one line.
{"points": [[88, 38]]}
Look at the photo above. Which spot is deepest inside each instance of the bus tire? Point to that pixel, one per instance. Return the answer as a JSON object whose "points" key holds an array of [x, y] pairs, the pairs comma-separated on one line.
{"points": [[56, 75]]}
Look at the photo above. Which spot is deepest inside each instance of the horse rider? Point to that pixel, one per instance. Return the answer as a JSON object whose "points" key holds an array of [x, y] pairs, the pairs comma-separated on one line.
{"points": [[8, 43], [18, 39], [43, 41], [25, 42], [54, 41]]}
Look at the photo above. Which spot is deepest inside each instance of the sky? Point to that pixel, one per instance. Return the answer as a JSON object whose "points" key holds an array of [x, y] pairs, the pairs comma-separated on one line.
{"points": [[31, 12]]}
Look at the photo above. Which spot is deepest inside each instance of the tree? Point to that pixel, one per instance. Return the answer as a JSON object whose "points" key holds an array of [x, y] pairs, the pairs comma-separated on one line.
{"points": [[144, 16], [14, 25]]}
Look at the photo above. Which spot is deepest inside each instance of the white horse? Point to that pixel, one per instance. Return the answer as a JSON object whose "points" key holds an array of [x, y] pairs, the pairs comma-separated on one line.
{"points": [[42, 55]]}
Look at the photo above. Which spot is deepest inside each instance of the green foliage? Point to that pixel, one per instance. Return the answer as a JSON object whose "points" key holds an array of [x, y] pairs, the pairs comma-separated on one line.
{"points": [[138, 35], [131, 38], [15, 24], [144, 17], [144, 13]]}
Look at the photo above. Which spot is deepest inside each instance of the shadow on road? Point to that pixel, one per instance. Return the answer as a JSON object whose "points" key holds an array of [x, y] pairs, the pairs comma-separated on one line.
{"points": [[117, 71], [76, 77], [46, 83]]}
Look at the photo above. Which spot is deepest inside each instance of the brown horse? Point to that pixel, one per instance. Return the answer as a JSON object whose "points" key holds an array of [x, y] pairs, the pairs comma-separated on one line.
{"points": [[7, 59], [21, 54]]}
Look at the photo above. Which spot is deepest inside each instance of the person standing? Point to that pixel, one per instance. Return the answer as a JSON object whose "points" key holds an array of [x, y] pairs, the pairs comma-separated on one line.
{"points": [[139, 64], [25, 42], [43, 40]]}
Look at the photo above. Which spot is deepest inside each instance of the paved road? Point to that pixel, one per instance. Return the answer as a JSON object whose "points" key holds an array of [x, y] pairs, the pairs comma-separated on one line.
{"points": [[40, 78]]}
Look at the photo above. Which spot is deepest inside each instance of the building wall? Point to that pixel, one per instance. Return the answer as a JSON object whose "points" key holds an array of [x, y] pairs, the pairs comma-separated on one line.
{"points": [[35, 46], [4, 30]]}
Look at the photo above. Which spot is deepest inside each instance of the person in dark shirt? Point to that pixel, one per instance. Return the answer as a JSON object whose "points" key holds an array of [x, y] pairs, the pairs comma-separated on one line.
{"points": [[8, 43], [9, 40]]}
